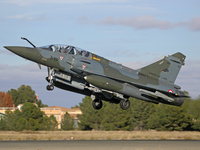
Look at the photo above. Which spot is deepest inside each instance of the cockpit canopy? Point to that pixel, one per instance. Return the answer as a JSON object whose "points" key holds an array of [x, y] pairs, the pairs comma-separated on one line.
{"points": [[66, 49]]}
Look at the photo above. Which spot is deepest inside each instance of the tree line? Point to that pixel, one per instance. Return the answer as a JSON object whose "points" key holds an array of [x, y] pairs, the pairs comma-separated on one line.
{"points": [[21, 95], [29, 117], [25, 94], [141, 116]]}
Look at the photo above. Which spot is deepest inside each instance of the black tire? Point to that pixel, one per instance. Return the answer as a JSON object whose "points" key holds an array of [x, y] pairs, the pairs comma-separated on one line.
{"points": [[97, 104], [49, 87], [124, 104]]}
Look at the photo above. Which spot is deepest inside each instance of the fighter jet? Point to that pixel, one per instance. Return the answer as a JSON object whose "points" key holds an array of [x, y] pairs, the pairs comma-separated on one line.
{"points": [[77, 70]]}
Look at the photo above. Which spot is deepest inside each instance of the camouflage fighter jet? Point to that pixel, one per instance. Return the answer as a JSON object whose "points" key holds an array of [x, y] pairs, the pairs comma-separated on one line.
{"points": [[77, 70]]}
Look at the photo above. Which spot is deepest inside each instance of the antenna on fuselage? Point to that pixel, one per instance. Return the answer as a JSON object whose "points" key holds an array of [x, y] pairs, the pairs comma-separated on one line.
{"points": [[28, 41]]}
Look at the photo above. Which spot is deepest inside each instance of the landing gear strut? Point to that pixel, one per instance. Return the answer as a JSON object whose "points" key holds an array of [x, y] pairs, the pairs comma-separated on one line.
{"points": [[124, 104], [50, 87]]}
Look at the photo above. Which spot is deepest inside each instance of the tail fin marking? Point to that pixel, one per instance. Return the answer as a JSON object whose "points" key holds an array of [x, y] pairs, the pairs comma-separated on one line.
{"points": [[166, 69]]}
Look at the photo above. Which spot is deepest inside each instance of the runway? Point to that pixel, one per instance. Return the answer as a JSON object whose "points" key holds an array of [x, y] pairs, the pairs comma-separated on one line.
{"points": [[101, 145]]}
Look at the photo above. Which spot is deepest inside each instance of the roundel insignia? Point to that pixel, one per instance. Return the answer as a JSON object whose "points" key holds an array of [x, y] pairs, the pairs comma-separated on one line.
{"points": [[170, 91], [61, 57], [84, 66]]}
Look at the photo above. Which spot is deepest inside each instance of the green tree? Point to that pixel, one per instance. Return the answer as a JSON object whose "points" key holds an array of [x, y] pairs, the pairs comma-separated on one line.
{"points": [[30, 117], [20, 124], [109, 117], [114, 118], [3, 124], [14, 94], [10, 120], [193, 107], [29, 110], [45, 123], [139, 113], [40, 104], [196, 125], [76, 106], [170, 118], [67, 122], [25, 94], [53, 122], [36, 119], [140, 116], [90, 118], [29, 94], [33, 124]]}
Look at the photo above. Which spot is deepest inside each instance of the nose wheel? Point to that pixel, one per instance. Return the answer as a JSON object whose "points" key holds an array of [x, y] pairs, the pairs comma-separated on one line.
{"points": [[49, 87]]}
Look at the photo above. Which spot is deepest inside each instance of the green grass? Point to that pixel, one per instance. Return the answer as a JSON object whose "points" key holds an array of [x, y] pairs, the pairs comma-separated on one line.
{"points": [[99, 135]]}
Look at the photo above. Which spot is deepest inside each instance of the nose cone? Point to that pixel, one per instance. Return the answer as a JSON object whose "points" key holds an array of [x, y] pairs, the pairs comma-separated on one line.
{"points": [[25, 52], [16, 49]]}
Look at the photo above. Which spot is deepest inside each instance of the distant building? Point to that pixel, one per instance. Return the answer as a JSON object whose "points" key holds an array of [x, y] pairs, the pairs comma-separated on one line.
{"points": [[57, 111], [3, 109]]}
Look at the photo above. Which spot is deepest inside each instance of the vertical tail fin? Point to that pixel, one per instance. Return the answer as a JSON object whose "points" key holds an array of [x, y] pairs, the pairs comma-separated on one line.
{"points": [[166, 69]]}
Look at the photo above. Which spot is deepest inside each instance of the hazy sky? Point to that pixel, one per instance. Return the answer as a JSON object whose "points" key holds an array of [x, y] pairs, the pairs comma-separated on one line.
{"points": [[132, 32]]}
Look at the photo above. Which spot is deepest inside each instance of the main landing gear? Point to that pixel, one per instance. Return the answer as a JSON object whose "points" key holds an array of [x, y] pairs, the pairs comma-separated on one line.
{"points": [[97, 104], [50, 87], [124, 104]]}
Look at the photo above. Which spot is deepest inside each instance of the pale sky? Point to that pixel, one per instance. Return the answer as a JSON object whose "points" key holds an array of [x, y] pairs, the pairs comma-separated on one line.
{"points": [[134, 33]]}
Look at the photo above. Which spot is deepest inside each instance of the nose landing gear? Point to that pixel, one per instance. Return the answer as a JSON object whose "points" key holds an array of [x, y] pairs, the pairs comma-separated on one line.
{"points": [[50, 87]]}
